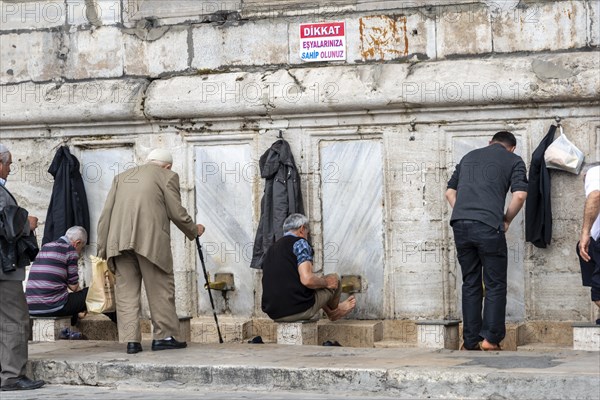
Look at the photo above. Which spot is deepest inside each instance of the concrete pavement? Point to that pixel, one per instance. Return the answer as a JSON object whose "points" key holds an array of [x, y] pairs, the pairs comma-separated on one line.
{"points": [[404, 373]]}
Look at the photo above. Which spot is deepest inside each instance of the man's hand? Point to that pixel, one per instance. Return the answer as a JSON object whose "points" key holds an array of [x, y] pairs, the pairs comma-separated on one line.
{"points": [[331, 281], [201, 229], [74, 288], [506, 224], [584, 242], [516, 202], [33, 222]]}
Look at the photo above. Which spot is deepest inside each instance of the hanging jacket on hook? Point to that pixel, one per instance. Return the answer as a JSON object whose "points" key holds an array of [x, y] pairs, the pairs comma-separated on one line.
{"points": [[538, 207], [68, 204], [282, 197]]}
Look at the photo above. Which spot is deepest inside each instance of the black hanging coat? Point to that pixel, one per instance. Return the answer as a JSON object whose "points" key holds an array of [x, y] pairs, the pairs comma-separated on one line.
{"points": [[68, 204], [538, 208], [282, 197]]}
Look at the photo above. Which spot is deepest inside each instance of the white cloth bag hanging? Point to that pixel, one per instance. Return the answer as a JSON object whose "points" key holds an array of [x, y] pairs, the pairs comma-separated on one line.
{"points": [[564, 155]]}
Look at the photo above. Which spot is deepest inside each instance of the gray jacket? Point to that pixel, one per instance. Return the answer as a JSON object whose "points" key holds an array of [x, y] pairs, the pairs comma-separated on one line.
{"points": [[282, 197]]}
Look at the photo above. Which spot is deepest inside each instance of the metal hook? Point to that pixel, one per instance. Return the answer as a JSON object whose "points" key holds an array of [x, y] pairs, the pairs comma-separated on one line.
{"points": [[413, 126], [280, 136], [558, 119], [412, 130]]}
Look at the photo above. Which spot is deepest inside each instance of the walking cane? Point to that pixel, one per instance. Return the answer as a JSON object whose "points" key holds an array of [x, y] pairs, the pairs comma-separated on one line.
{"points": [[212, 303]]}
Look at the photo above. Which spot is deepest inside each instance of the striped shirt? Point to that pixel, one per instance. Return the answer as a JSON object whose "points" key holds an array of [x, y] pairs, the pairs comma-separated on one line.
{"points": [[54, 268]]}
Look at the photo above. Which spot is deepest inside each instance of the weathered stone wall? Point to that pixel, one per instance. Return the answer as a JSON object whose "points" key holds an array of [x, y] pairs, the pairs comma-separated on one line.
{"points": [[375, 137]]}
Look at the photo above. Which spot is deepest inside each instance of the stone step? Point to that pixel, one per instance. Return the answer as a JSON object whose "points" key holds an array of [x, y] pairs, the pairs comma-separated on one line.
{"points": [[543, 347], [351, 333], [393, 344], [204, 329], [98, 327]]}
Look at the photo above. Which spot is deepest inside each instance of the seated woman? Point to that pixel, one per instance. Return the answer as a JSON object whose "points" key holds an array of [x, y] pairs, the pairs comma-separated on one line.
{"points": [[53, 284]]}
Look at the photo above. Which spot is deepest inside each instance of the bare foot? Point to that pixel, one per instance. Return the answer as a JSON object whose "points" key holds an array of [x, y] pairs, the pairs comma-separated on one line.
{"points": [[343, 309], [82, 314]]}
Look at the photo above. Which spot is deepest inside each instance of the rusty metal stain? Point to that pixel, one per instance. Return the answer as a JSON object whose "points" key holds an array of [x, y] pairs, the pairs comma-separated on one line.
{"points": [[380, 37], [405, 30]]}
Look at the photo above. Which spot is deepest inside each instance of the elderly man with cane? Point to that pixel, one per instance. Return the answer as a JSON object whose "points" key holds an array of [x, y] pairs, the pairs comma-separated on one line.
{"points": [[134, 236]]}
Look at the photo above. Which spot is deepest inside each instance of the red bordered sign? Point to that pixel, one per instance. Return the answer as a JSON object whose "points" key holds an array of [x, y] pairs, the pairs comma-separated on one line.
{"points": [[325, 41]]}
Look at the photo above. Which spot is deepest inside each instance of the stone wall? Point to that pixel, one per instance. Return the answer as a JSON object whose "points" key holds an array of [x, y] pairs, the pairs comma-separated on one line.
{"points": [[375, 137]]}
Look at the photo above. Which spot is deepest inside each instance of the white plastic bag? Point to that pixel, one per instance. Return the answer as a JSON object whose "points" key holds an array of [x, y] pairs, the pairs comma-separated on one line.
{"points": [[564, 155]]}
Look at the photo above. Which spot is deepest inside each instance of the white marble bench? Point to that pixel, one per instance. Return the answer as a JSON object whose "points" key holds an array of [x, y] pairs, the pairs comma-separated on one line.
{"points": [[438, 334], [298, 333], [47, 329], [586, 336]]}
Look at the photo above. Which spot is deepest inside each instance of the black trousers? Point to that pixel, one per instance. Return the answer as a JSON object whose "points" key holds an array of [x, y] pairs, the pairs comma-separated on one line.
{"points": [[74, 305], [594, 251], [482, 254]]}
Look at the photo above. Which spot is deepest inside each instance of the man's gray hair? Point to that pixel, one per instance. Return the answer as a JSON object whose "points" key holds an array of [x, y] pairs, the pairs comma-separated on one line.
{"points": [[75, 233], [294, 222], [4, 152]]}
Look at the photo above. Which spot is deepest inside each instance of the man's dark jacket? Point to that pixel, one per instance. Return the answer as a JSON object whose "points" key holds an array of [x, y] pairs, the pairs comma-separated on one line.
{"points": [[282, 197], [18, 245], [68, 204], [538, 208]]}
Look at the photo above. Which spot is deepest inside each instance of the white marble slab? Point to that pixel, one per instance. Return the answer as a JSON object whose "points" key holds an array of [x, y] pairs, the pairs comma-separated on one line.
{"points": [[224, 177], [352, 201]]}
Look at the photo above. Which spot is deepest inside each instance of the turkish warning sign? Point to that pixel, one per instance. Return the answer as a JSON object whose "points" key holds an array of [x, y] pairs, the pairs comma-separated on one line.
{"points": [[324, 41]]}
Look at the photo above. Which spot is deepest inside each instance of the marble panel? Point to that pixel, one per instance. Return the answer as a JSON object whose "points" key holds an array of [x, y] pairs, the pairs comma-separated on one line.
{"points": [[352, 198], [225, 175], [98, 168]]}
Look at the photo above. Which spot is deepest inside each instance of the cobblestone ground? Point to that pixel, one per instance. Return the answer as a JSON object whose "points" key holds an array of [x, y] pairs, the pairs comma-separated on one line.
{"points": [[58, 392]]}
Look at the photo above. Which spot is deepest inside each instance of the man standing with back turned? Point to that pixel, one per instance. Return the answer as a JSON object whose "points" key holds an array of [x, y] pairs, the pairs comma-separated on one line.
{"points": [[477, 192], [134, 236]]}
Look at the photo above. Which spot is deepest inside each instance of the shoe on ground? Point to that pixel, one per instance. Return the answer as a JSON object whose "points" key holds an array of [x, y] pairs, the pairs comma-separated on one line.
{"points": [[332, 343], [23, 383], [487, 346], [65, 334], [133, 347], [256, 340], [167, 344]]}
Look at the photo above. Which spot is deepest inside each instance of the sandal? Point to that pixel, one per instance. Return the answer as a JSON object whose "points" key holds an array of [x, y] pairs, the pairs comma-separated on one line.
{"points": [[487, 346]]}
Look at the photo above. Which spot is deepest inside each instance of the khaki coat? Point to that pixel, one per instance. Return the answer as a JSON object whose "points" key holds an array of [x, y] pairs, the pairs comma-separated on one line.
{"points": [[136, 216]]}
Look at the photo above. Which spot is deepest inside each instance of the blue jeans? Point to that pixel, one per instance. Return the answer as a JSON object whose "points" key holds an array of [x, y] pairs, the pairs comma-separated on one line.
{"points": [[482, 253]]}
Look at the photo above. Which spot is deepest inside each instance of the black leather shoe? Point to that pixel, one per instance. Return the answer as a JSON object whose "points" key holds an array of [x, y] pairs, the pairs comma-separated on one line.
{"points": [[167, 344], [23, 383], [133, 347]]}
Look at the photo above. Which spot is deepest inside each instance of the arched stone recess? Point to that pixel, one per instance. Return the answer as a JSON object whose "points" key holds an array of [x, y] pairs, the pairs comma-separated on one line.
{"points": [[347, 206], [226, 179]]}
